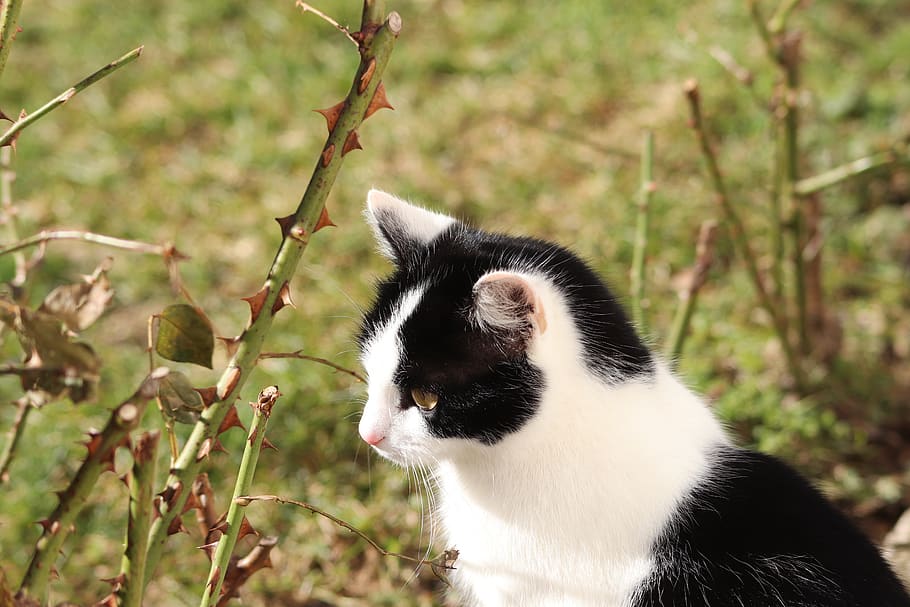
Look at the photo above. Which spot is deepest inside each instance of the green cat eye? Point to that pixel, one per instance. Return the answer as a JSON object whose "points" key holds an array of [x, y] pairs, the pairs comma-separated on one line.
{"points": [[424, 399]]}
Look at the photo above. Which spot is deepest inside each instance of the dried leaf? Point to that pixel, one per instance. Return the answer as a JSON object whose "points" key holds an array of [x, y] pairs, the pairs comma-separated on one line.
{"points": [[80, 305], [178, 399], [185, 335]]}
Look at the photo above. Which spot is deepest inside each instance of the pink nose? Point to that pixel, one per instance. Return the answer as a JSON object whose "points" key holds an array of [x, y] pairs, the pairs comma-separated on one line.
{"points": [[371, 437]]}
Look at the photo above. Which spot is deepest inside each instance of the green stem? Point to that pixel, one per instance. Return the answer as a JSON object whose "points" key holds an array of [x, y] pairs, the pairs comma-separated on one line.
{"points": [[141, 480], [704, 257], [738, 232], [66, 95], [221, 560], [844, 172], [9, 17], [641, 229], [12, 438], [100, 457], [778, 20], [374, 57]]}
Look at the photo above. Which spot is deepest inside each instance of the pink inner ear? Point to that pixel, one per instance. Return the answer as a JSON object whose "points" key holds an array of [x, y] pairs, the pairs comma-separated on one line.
{"points": [[514, 281]]}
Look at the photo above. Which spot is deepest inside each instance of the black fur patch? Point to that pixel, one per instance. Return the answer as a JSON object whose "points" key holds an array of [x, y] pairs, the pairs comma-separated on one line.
{"points": [[487, 386], [743, 539]]}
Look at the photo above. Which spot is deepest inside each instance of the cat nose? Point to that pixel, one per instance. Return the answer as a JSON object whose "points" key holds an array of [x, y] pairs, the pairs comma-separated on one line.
{"points": [[371, 436]]}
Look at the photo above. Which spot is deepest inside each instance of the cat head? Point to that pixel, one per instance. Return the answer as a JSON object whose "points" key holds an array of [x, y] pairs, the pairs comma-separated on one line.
{"points": [[471, 327]]}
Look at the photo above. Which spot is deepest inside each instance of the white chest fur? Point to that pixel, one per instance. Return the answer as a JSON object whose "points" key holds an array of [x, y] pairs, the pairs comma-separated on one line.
{"points": [[565, 512]]}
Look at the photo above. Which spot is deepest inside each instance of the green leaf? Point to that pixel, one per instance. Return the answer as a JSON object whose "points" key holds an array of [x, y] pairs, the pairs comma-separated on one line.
{"points": [[185, 335], [178, 400]]}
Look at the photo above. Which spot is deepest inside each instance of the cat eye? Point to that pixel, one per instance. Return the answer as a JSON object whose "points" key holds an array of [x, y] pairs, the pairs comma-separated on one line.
{"points": [[424, 399]]}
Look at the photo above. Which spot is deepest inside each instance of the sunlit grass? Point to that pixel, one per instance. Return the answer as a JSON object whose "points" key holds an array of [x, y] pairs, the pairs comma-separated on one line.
{"points": [[522, 119]]}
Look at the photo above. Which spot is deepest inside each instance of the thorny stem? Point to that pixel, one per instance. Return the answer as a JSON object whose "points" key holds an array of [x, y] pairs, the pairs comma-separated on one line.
{"points": [[646, 189], [443, 562], [262, 409], [375, 51], [12, 438], [738, 231], [704, 257], [9, 16], [299, 355], [66, 95], [100, 455], [142, 477]]}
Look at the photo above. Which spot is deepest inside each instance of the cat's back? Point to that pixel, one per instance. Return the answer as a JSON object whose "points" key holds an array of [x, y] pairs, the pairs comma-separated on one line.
{"points": [[755, 533]]}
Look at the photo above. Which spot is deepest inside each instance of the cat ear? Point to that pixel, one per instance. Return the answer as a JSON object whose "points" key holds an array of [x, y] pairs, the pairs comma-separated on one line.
{"points": [[507, 302], [400, 227]]}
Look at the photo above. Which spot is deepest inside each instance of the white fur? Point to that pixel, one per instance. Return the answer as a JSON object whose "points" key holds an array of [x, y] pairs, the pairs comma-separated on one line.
{"points": [[421, 225], [564, 511], [383, 424]]}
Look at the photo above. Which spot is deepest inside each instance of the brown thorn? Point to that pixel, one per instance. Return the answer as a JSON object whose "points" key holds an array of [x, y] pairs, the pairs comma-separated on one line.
{"points": [[256, 302], [230, 344], [208, 394], [327, 155], [204, 449], [246, 528], [191, 502], [231, 420], [209, 549], [115, 582], [324, 221], [267, 444], [366, 77], [332, 114], [108, 601], [214, 579], [233, 378], [352, 142], [176, 527], [217, 446], [285, 223], [283, 299], [378, 102]]}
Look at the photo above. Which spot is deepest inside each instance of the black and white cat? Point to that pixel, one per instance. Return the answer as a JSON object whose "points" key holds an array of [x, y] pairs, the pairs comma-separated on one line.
{"points": [[572, 467]]}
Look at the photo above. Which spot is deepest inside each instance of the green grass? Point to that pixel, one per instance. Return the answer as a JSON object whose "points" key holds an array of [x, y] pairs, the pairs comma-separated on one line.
{"points": [[525, 120]]}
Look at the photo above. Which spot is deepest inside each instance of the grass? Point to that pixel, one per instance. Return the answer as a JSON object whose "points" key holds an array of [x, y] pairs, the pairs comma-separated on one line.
{"points": [[527, 121]]}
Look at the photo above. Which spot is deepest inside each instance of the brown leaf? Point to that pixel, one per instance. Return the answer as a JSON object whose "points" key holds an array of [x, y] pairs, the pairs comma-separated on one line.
{"points": [[80, 305], [283, 299], [256, 302], [378, 102], [351, 142], [332, 114]]}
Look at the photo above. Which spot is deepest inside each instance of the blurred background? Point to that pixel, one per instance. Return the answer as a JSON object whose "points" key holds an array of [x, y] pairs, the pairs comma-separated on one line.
{"points": [[521, 117]]}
